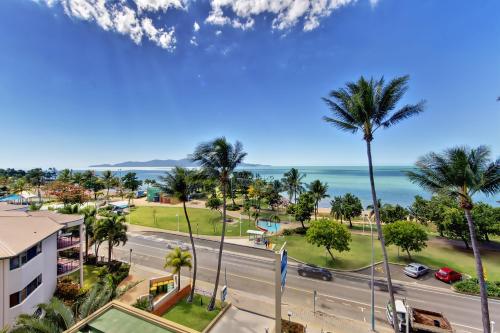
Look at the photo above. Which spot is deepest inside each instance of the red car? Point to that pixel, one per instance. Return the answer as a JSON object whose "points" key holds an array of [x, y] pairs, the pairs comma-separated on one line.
{"points": [[447, 275]]}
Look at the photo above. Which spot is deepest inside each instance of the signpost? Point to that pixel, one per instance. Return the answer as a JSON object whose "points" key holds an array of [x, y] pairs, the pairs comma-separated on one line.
{"points": [[280, 267], [315, 295], [223, 294]]}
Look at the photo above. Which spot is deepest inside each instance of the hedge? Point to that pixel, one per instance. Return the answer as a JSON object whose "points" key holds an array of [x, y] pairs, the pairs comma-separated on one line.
{"points": [[471, 286]]}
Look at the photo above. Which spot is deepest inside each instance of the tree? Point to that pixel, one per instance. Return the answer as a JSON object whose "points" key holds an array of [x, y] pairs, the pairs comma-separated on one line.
{"points": [[292, 182], [58, 318], [178, 259], [214, 203], [337, 208], [366, 106], [351, 207], [392, 213], [65, 175], [331, 235], [108, 180], [409, 236], [181, 184], [37, 178], [92, 183], [319, 191], [67, 193], [419, 210], [113, 229], [218, 159], [462, 172], [243, 179], [131, 182], [454, 225], [487, 220], [89, 214], [304, 208]]}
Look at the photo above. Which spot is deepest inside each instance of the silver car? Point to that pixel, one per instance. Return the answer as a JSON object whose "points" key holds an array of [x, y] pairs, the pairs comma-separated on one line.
{"points": [[175, 243], [415, 270]]}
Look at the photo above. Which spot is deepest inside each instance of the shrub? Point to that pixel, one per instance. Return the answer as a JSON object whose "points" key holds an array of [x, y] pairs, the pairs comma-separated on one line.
{"points": [[67, 290], [142, 303], [471, 286], [119, 274], [233, 207], [295, 231]]}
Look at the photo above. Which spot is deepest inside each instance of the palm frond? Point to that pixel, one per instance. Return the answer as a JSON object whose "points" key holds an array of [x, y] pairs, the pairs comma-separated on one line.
{"points": [[405, 112], [341, 125]]}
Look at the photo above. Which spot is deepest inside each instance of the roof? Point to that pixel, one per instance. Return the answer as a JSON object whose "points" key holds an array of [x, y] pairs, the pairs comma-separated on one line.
{"points": [[66, 219], [117, 317], [119, 204], [18, 233], [255, 232], [400, 307], [9, 207]]}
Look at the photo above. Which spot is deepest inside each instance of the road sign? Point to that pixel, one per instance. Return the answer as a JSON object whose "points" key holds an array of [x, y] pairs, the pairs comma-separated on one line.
{"points": [[223, 293], [284, 265]]}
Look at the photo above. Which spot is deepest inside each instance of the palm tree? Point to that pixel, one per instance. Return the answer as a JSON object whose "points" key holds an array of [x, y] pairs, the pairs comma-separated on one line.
{"points": [[36, 178], [370, 207], [113, 229], [293, 183], [178, 259], [366, 106], [58, 318], [181, 183], [218, 159], [319, 192], [65, 175], [108, 180], [337, 208], [462, 172], [89, 221]]}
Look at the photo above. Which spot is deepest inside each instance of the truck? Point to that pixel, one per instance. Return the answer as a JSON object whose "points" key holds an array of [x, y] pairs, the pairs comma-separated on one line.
{"points": [[418, 320]]}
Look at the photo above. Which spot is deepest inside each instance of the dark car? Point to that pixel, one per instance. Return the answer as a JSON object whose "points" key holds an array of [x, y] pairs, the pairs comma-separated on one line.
{"points": [[315, 272], [448, 275]]}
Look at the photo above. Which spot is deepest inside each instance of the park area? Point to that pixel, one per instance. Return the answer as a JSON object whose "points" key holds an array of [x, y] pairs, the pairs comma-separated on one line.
{"points": [[203, 221], [438, 253]]}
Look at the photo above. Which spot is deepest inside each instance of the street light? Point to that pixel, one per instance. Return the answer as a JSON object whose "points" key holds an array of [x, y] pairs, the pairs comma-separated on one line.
{"points": [[289, 319], [240, 224], [178, 229], [130, 257]]}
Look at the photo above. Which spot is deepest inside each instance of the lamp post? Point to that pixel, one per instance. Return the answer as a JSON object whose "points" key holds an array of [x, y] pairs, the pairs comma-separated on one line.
{"points": [[240, 225], [197, 232], [289, 319], [130, 257], [178, 229]]}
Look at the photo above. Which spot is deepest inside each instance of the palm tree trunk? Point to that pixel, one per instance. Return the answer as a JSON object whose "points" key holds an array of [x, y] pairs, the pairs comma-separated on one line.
{"points": [[480, 273], [191, 296], [110, 247], [381, 236], [211, 305]]}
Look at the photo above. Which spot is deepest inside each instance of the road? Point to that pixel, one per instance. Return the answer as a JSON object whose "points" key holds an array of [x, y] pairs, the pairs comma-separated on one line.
{"points": [[252, 271]]}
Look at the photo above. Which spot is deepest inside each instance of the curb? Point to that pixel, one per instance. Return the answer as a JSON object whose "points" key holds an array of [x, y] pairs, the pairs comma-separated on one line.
{"points": [[216, 319]]}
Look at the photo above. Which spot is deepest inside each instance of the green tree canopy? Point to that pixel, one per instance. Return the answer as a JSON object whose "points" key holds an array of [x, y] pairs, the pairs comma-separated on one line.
{"points": [[351, 207], [410, 236], [304, 208], [331, 235]]}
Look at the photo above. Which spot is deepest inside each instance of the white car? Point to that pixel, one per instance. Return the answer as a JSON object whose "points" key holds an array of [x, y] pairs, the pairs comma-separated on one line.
{"points": [[415, 270], [175, 243]]}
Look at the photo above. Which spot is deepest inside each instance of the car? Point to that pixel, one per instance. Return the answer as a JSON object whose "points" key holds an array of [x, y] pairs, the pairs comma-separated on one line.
{"points": [[315, 272], [447, 275], [175, 243], [415, 270]]}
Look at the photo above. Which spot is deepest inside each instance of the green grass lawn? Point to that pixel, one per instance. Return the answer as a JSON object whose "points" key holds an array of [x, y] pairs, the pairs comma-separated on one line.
{"points": [[203, 221], [434, 256], [193, 315], [90, 275]]}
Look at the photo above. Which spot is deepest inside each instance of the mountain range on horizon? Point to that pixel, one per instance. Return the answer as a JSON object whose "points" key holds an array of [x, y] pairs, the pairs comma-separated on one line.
{"points": [[183, 162]]}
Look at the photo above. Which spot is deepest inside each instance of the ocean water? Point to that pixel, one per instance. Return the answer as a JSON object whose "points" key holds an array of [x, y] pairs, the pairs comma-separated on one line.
{"points": [[391, 182]]}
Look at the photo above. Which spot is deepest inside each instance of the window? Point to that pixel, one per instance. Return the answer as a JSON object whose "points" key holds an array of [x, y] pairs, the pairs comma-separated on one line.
{"points": [[20, 296], [23, 258]]}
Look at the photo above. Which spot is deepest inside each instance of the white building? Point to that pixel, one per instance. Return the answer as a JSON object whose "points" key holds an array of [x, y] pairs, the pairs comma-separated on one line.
{"points": [[34, 248]]}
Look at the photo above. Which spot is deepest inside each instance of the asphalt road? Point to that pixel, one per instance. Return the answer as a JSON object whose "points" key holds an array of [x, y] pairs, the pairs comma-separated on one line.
{"points": [[252, 270]]}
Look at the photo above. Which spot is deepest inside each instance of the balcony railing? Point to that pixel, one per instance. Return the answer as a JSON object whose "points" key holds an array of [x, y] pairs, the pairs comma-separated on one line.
{"points": [[67, 241], [66, 265]]}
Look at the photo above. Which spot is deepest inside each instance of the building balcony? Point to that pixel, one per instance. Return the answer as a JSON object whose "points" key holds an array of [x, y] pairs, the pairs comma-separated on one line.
{"points": [[66, 241], [67, 266]]}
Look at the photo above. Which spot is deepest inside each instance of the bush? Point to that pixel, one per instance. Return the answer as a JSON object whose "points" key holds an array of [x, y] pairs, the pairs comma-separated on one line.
{"points": [[91, 259], [120, 274], [295, 231], [142, 303], [471, 286], [232, 207], [67, 290]]}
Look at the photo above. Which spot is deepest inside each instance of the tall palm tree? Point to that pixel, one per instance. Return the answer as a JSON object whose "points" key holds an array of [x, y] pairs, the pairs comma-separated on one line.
{"points": [[319, 191], [366, 106], [109, 180], [113, 229], [218, 159], [293, 182], [181, 183], [89, 214], [37, 178], [337, 208], [178, 259], [462, 172]]}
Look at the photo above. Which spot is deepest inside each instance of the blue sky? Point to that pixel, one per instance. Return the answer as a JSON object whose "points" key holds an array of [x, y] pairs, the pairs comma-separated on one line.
{"points": [[94, 81]]}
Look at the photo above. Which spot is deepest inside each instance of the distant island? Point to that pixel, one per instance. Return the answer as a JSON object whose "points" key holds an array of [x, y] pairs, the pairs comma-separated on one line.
{"points": [[183, 162]]}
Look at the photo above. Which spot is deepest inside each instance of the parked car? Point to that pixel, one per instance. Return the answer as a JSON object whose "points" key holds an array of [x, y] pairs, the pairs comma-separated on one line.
{"points": [[415, 270], [315, 272], [447, 275], [175, 243]]}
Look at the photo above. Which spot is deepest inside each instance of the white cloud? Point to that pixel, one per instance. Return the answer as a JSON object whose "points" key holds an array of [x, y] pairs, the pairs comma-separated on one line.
{"points": [[193, 41], [163, 5], [287, 12], [164, 39], [218, 32], [196, 27]]}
